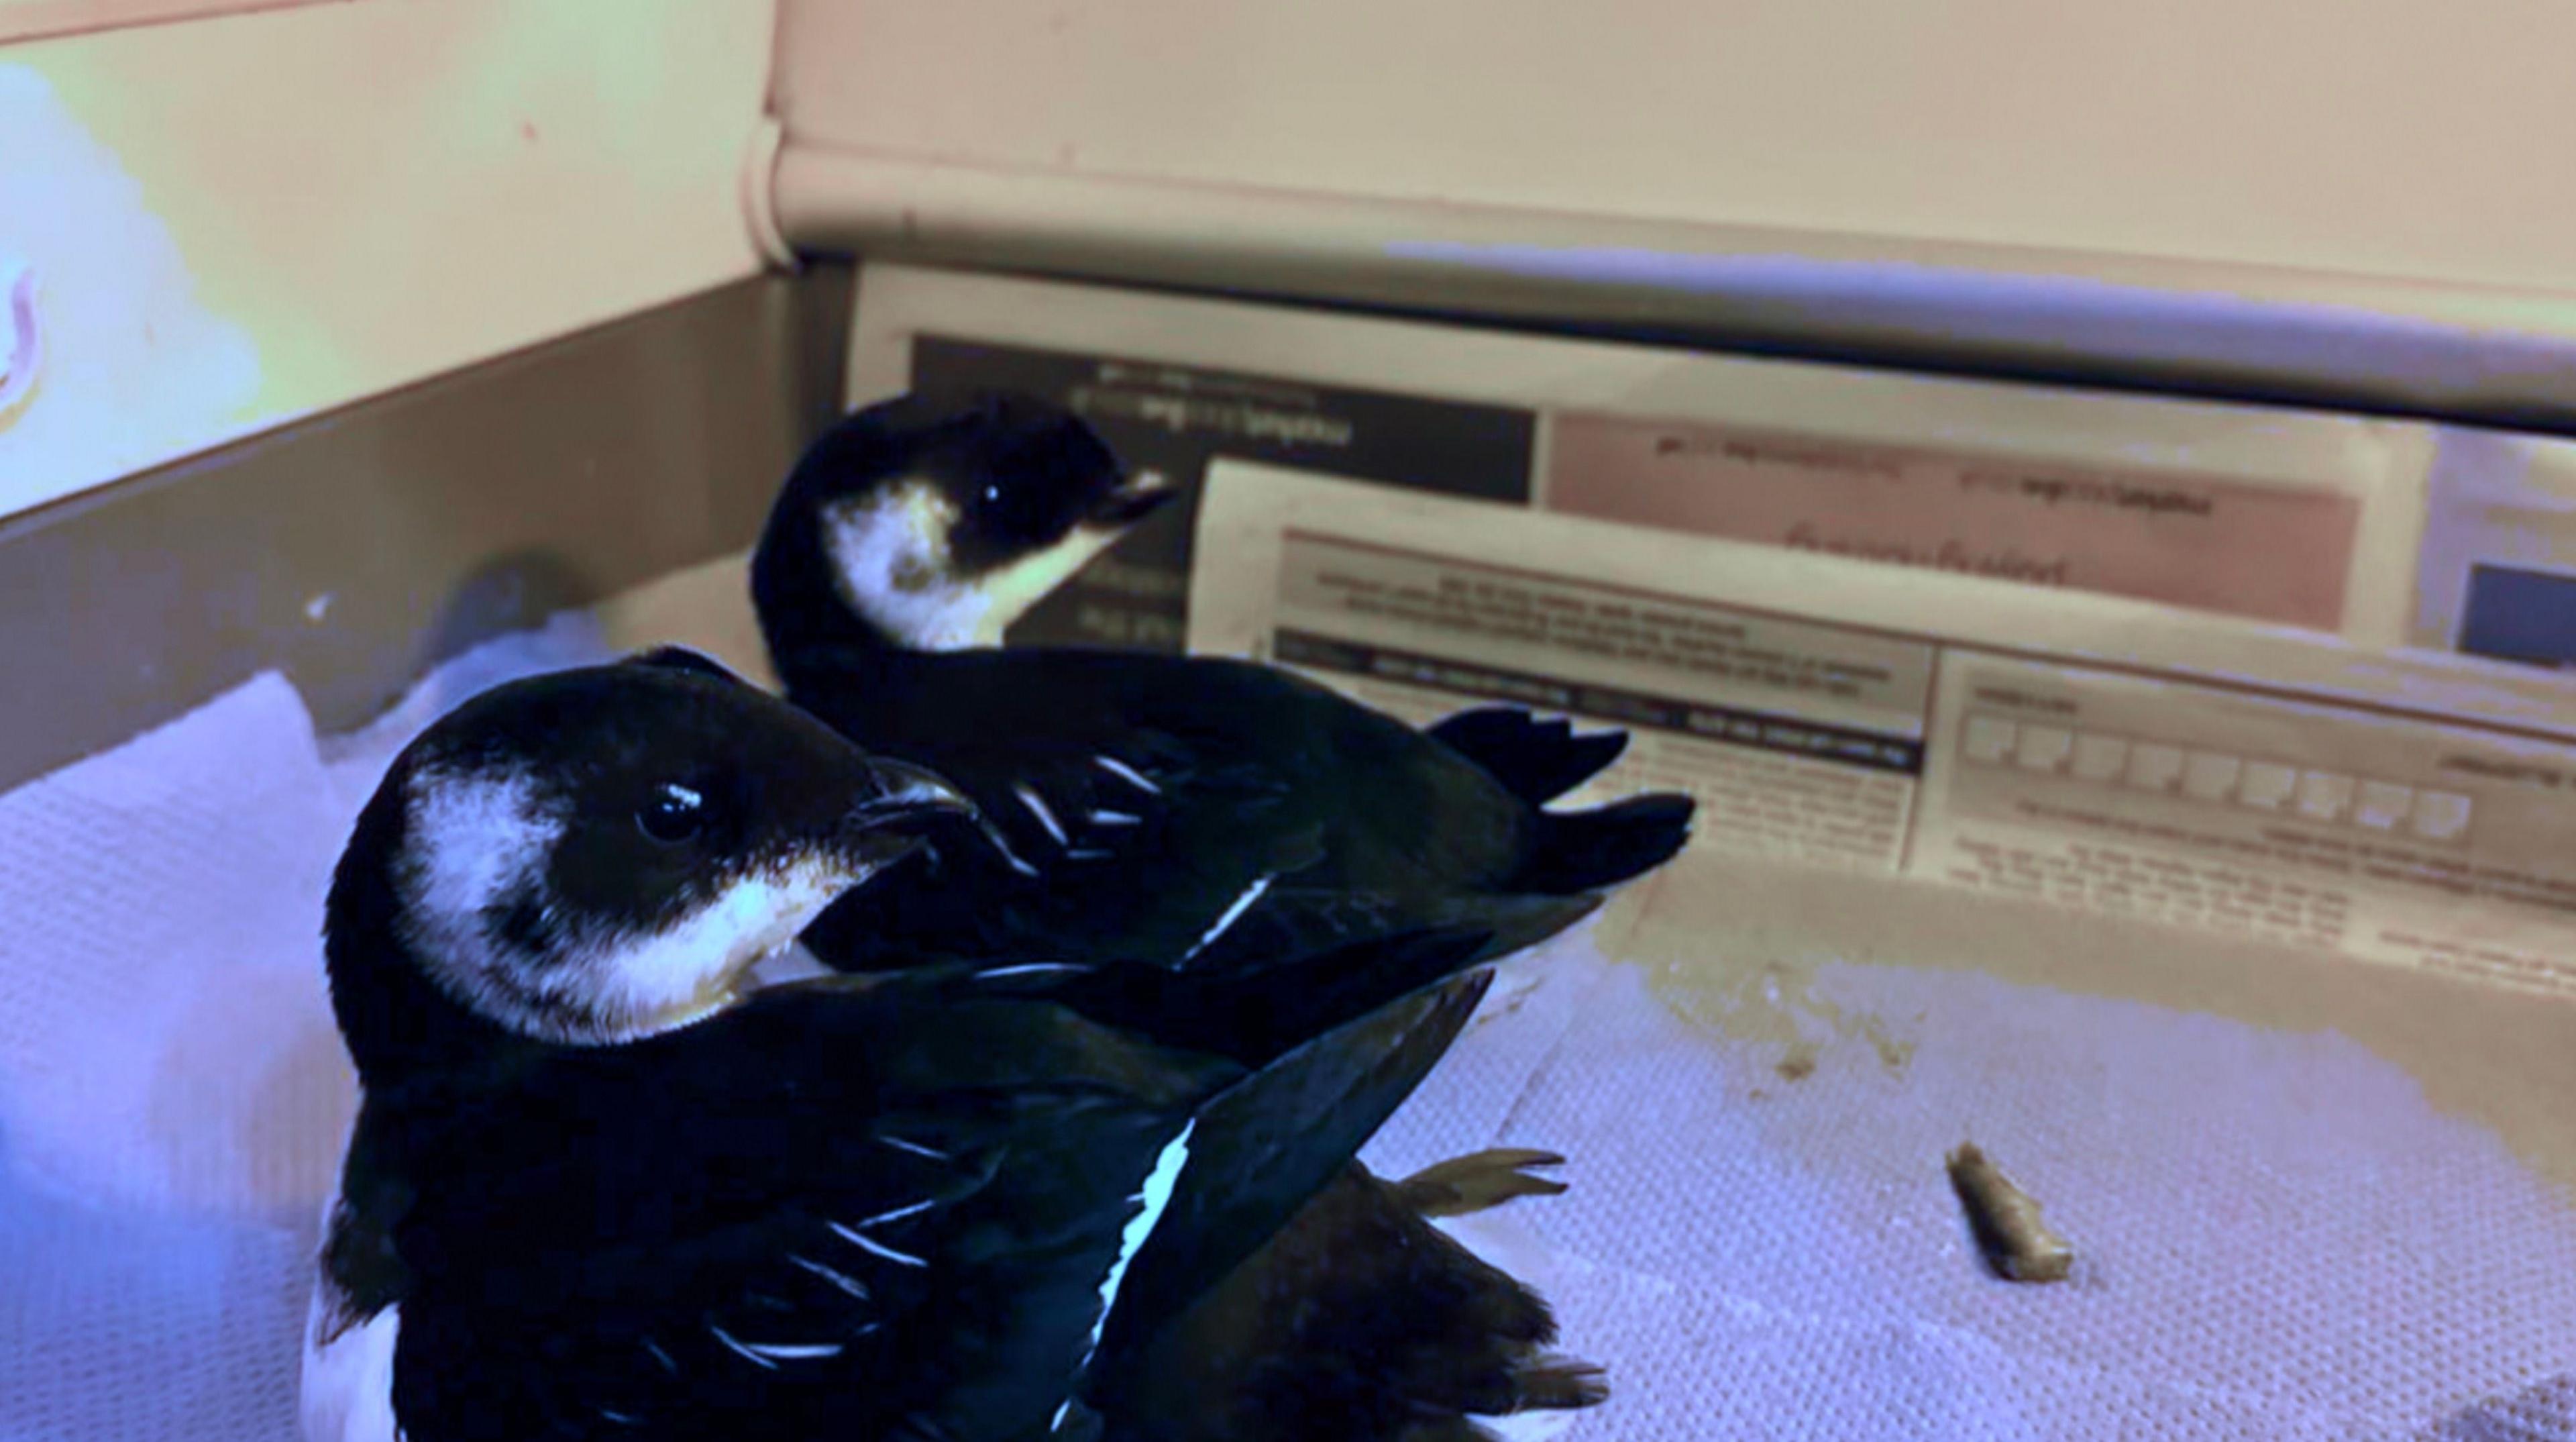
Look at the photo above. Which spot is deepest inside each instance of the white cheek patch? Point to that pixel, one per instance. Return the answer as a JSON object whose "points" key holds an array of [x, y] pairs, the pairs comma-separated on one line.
{"points": [[480, 845], [891, 564], [1009, 591], [650, 982], [476, 841], [477, 838]]}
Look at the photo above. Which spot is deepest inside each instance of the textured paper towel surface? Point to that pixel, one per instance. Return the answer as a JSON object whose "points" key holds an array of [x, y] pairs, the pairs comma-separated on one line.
{"points": [[2537, 1413], [2278, 1236], [1754, 1255], [171, 1089]]}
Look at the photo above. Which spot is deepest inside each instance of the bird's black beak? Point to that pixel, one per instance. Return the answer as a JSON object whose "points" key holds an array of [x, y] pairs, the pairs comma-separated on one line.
{"points": [[1132, 500], [907, 809], [897, 810], [902, 794]]}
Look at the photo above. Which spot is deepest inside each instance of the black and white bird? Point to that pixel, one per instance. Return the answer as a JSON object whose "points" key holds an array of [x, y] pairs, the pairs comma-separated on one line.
{"points": [[1197, 811], [1187, 826], [596, 1189]]}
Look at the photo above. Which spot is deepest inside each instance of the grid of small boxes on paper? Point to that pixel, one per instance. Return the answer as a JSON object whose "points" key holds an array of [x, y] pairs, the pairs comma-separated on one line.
{"points": [[2215, 776]]}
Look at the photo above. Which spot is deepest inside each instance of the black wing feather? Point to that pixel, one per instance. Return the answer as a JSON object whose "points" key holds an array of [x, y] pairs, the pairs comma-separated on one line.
{"points": [[1265, 1147], [819, 1215]]}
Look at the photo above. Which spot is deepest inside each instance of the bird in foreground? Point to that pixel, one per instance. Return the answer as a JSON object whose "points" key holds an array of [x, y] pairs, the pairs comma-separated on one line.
{"points": [[1203, 812], [597, 1189]]}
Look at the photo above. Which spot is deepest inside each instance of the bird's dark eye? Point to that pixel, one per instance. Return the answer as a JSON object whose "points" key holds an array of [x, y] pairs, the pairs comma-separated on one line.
{"points": [[673, 813]]}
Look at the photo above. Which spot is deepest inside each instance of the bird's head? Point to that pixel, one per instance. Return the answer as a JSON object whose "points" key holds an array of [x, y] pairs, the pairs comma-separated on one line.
{"points": [[935, 523], [596, 855]]}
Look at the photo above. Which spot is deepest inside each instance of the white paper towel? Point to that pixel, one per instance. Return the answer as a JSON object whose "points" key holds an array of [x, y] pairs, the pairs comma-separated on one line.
{"points": [[2255, 1214], [2540, 1413], [172, 1092]]}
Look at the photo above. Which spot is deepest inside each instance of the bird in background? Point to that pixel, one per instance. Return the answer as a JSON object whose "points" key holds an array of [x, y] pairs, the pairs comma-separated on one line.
{"points": [[1199, 811]]}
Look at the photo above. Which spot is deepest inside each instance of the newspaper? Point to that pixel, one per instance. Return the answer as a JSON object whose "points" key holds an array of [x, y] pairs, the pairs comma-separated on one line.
{"points": [[2097, 754], [2269, 552], [2384, 531], [2298, 518]]}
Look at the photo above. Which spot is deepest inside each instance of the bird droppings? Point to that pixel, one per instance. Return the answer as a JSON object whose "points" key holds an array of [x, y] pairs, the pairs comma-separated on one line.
{"points": [[1776, 1003], [1892, 1053], [2010, 1232]]}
